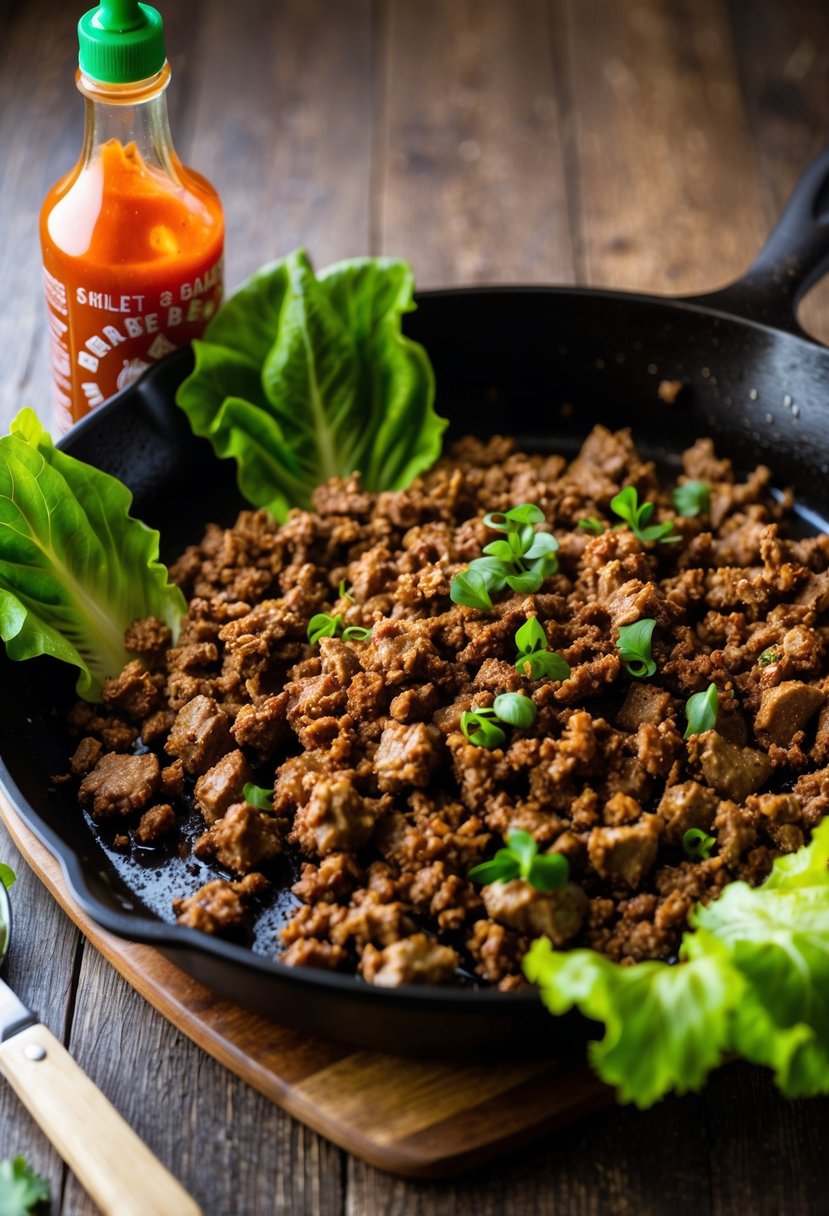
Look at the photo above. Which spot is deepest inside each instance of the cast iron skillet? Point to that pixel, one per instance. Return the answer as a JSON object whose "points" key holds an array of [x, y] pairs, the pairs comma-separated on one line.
{"points": [[546, 364]]}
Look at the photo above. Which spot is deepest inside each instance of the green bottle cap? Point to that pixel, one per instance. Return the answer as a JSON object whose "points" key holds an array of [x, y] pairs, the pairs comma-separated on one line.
{"points": [[121, 41]]}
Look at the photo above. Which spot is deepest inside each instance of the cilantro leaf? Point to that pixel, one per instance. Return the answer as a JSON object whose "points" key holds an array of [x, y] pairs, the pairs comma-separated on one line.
{"points": [[692, 498], [22, 1191]]}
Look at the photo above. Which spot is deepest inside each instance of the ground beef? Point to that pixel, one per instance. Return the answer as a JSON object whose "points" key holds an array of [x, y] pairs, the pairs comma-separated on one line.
{"points": [[381, 805]]}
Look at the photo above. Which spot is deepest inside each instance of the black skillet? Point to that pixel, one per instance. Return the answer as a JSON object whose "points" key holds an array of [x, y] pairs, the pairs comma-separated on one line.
{"points": [[542, 363]]}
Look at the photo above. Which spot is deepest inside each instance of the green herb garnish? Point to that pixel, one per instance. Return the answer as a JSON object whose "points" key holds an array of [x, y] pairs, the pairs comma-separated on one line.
{"points": [[22, 1191], [470, 588], [591, 524], [698, 844], [692, 498], [7, 875], [479, 726], [520, 859], [769, 656], [303, 376], [626, 506], [323, 625], [634, 646], [701, 711], [258, 796], [76, 570], [345, 592], [755, 984], [534, 652], [521, 561]]}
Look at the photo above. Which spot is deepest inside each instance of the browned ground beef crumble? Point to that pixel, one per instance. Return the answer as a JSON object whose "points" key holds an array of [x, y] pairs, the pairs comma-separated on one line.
{"points": [[378, 792]]}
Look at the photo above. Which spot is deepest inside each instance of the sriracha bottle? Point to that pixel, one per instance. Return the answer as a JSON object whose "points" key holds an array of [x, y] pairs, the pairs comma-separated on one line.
{"points": [[132, 240]]}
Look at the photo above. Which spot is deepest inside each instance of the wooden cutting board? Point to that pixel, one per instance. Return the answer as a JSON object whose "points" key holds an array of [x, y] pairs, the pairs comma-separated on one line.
{"points": [[418, 1118]]}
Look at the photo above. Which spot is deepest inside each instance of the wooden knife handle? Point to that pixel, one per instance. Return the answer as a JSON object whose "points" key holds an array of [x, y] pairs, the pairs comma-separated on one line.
{"points": [[114, 1166]]}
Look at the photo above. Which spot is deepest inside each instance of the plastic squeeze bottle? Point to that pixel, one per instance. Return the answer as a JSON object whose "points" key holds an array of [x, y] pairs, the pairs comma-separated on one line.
{"points": [[132, 240]]}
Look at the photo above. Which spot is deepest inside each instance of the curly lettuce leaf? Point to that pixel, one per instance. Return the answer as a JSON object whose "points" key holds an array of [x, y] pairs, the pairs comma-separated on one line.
{"points": [[755, 984], [301, 377], [75, 568], [665, 1027]]}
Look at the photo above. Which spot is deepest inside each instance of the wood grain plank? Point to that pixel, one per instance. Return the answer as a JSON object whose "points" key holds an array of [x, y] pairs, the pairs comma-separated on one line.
{"points": [[469, 158], [282, 126], [41, 120], [767, 1152], [190, 1111], [43, 979], [620, 1162], [783, 57], [668, 197]]}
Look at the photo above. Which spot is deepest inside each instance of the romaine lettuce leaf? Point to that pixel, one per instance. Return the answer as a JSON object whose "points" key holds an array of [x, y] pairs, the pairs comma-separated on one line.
{"points": [[755, 983], [301, 377], [75, 568]]}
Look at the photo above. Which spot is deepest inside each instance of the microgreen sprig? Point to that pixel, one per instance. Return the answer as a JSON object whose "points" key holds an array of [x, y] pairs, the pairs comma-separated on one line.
{"points": [[626, 505], [692, 498], [634, 646], [535, 656], [323, 625], [591, 524], [698, 844], [479, 725], [521, 561], [701, 711], [520, 859], [258, 796], [345, 592]]}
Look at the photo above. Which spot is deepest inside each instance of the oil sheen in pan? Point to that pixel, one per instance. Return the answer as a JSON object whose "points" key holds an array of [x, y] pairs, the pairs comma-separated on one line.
{"points": [[156, 875]]}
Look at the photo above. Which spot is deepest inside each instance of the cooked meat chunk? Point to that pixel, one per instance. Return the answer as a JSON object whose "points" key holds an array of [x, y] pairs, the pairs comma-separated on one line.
{"points": [[407, 755], [222, 785], [555, 914], [149, 637], [644, 703], [261, 727], [625, 854], [86, 756], [156, 823], [786, 709], [221, 907], [244, 839], [119, 785], [413, 960], [734, 772], [200, 735], [312, 952], [334, 819], [684, 806], [134, 692]]}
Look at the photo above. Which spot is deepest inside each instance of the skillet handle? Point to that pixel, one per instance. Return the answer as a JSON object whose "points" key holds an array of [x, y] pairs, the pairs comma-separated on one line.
{"points": [[792, 260]]}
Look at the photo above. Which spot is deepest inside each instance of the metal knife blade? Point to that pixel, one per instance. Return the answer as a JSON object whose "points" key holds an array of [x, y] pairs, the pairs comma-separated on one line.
{"points": [[14, 1016]]}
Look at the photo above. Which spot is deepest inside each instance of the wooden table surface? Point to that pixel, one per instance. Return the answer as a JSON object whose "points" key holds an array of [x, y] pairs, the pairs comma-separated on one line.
{"points": [[643, 144]]}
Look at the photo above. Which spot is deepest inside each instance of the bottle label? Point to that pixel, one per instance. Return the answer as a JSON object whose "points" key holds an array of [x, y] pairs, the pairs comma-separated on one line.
{"points": [[102, 340]]}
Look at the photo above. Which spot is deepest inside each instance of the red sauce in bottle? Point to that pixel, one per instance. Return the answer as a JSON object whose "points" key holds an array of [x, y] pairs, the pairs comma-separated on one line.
{"points": [[132, 245]]}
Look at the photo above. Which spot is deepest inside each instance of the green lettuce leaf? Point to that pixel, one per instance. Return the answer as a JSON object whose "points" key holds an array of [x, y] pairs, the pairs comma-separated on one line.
{"points": [[75, 568], [755, 984], [22, 1191], [665, 1027], [301, 377]]}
